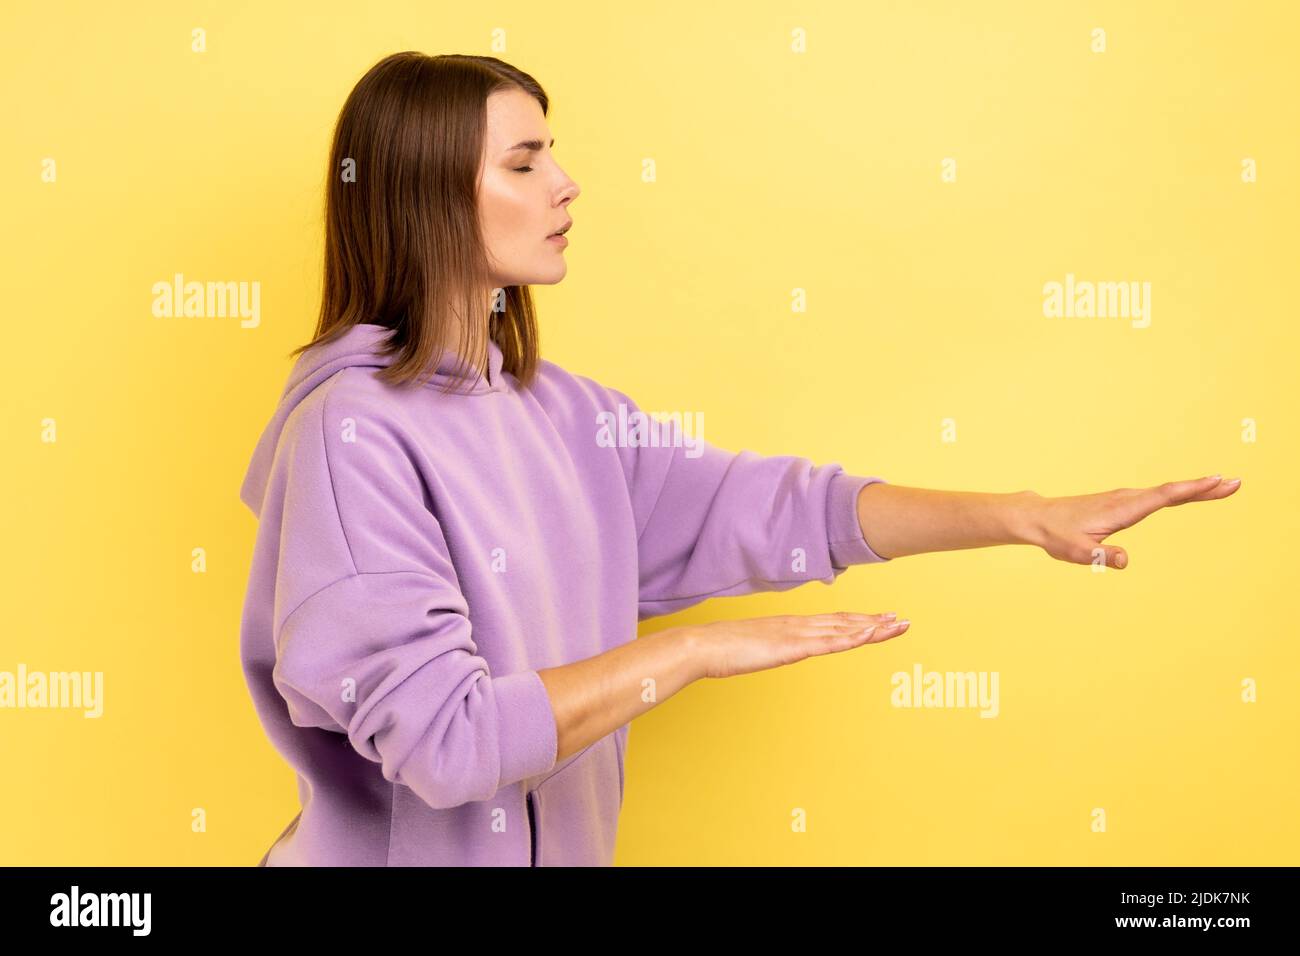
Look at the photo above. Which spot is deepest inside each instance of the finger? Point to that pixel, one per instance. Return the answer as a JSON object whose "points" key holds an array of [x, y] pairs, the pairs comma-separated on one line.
{"points": [[1147, 501], [1087, 551], [851, 619], [871, 634], [1222, 489], [831, 642], [853, 628], [1181, 492], [889, 632]]}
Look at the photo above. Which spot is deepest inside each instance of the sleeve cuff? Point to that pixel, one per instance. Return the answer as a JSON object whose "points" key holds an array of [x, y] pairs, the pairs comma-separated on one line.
{"points": [[528, 738], [848, 546]]}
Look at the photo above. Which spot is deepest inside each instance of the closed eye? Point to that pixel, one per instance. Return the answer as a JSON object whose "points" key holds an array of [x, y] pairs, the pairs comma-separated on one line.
{"points": [[524, 169]]}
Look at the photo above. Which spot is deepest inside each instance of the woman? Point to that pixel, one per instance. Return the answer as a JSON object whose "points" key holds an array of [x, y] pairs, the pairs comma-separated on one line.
{"points": [[457, 538]]}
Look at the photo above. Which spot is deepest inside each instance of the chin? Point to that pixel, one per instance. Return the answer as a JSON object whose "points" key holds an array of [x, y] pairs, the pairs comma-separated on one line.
{"points": [[549, 276]]}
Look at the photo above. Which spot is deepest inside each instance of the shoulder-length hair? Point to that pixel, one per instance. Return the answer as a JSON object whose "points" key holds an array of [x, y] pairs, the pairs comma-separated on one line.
{"points": [[403, 244]]}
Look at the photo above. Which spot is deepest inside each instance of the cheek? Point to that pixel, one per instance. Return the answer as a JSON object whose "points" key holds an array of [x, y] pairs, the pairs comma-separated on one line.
{"points": [[508, 214]]}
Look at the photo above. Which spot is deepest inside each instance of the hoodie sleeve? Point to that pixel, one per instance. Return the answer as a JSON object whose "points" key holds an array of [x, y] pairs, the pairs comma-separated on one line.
{"points": [[373, 636], [713, 523]]}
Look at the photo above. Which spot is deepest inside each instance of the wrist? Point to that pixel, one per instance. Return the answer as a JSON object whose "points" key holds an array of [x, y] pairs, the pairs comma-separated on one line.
{"points": [[1022, 517], [683, 654], [695, 654]]}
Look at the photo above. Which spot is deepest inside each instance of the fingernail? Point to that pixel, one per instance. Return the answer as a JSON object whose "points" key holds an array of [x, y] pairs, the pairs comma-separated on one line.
{"points": [[1215, 477], [1233, 481], [903, 623], [891, 615]]}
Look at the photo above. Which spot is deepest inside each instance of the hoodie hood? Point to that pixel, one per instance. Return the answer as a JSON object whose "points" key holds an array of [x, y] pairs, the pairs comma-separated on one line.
{"points": [[361, 345]]}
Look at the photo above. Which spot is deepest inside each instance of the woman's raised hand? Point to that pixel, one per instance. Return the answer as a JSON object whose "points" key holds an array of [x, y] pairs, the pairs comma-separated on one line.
{"points": [[728, 648], [1072, 529]]}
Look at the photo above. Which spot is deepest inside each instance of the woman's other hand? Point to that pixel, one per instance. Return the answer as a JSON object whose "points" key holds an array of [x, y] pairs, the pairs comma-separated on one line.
{"points": [[728, 648]]}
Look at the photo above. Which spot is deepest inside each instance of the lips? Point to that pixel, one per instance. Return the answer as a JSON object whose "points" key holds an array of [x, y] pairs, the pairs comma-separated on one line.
{"points": [[562, 230]]}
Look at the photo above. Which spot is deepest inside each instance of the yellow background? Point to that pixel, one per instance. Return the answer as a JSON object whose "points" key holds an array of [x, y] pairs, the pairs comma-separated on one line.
{"points": [[776, 170]]}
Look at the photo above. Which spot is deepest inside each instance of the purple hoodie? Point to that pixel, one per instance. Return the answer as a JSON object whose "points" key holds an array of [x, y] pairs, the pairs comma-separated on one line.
{"points": [[421, 555]]}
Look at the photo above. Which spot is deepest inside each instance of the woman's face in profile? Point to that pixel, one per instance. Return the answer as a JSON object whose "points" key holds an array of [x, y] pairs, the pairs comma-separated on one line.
{"points": [[523, 194]]}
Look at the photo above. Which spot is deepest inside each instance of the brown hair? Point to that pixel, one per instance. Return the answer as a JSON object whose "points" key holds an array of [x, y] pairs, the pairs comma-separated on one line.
{"points": [[403, 245]]}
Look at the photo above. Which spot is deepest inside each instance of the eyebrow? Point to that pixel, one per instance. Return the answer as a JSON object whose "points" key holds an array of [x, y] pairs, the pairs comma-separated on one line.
{"points": [[530, 144]]}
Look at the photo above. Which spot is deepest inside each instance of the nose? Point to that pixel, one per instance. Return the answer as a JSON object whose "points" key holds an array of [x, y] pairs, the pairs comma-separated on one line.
{"points": [[570, 192]]}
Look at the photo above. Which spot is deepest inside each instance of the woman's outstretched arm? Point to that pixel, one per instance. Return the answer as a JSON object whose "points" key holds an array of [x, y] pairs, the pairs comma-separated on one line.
{"points": [[898, 521]]}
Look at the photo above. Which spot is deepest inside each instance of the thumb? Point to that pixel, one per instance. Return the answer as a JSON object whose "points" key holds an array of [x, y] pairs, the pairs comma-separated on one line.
{"points": [[1090, 551]]}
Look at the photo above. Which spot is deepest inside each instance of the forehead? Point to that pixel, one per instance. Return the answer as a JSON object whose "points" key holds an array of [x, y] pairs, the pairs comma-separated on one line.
{"points": [[512, 117]]}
